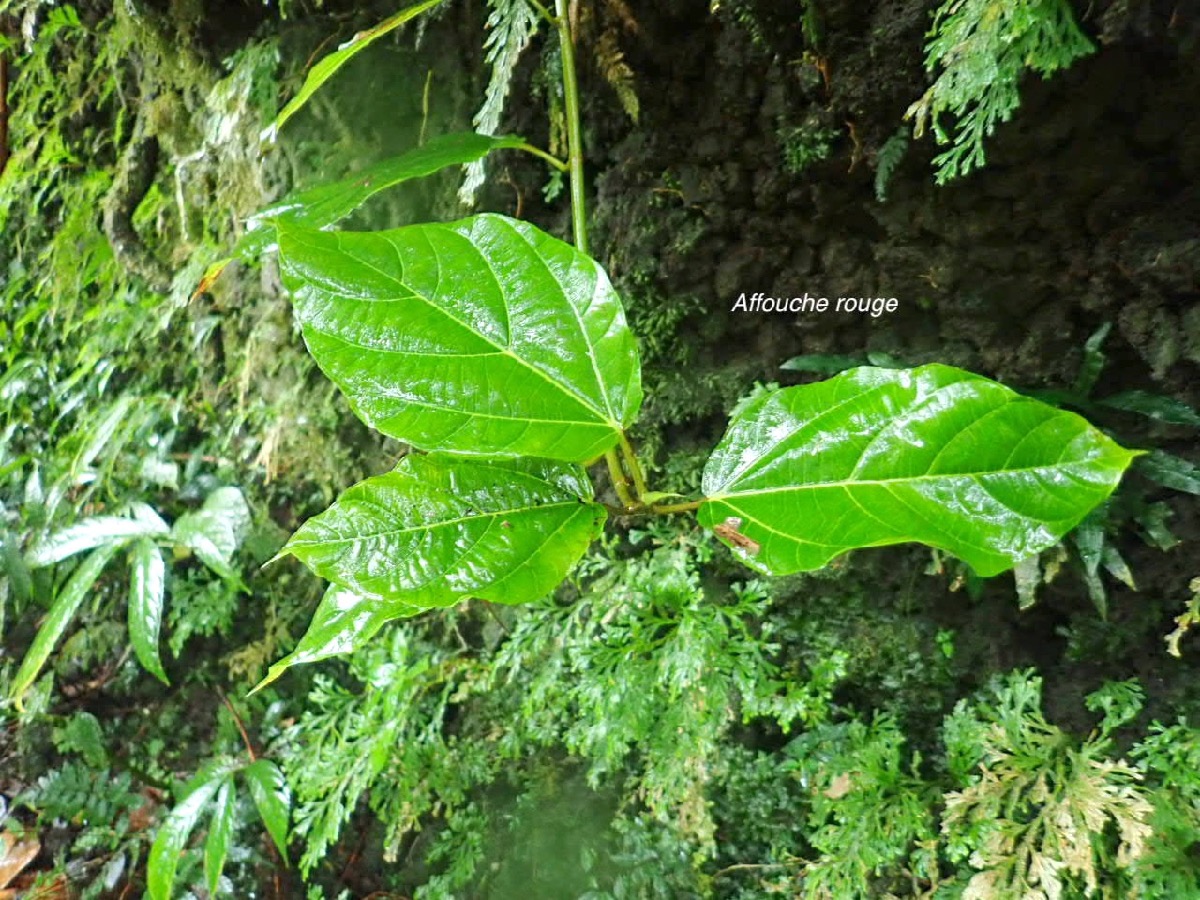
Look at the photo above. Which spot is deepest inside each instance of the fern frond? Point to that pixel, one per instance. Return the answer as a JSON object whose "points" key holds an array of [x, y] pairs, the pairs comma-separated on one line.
{"points": [[619, 10], [983, 47], [511, 25], [891, 154]]}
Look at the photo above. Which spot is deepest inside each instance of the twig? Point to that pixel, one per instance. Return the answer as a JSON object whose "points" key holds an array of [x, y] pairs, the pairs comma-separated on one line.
{"points": [[237, 720]]}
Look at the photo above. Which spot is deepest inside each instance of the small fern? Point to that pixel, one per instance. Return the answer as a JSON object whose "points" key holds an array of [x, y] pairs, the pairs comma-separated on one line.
{"points": [[601, 28], [1030, 818], [611, 61], [983, 47], [891, 154], [511, 25]]}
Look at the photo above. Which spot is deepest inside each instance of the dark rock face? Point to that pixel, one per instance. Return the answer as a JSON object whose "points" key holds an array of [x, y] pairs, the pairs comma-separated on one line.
{"points": [[1083, 214]]}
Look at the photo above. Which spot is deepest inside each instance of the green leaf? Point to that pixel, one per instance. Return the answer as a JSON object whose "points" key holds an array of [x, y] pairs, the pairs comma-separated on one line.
{"points": [[172, 835], [437, 530], [822, 363], [1094, 360], [61, 612], [220, 835], [214, 531], [272, 798], [1171, 471], [328, 66], [14, 568], [87, 534], [344, 622], [484, 336], [884, 456], [324, 206], [148, 577], [1154, 406]]}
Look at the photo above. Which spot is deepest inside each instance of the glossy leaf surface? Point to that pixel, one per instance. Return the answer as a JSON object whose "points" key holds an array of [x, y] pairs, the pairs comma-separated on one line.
{"points": [[89, 533], [327, 204], [220, 835], [147, 589], [934, 455], [328, 66], [172, 836], [272, 799], [438, 530], [214, 531], [484, 336], [73, 593], [344, 621]]}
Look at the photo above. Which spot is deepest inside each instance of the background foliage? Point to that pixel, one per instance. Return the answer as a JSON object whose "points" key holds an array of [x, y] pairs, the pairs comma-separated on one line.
{"points": [[661, 726]]}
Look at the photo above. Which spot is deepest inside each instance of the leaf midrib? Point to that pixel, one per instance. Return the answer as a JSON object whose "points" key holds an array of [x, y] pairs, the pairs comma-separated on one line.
{"points": [[443, 523], [888, 482], [601, 416]]}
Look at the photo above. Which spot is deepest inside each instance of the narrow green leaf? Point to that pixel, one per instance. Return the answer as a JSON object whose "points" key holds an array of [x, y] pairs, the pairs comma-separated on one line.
{"points": [[87, 534], [220, 835], [148, 577], [324, 206], [1154, 406], [1171, 471], [14, 568], [344, 621], [821, 363], [327, 204], [59, 616], [885, 456], [173, 834], [328, 66], [1094, 360], [437, 530], [484, 336], [215, 531], [103, 430], [272, 798]]}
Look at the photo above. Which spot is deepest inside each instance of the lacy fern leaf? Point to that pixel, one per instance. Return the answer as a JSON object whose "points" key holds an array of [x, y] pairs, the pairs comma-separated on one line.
{"points": [[983, 47], [511, 25]]}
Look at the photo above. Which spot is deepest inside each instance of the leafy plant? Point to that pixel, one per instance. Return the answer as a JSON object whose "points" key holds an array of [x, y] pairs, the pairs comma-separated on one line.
{"points": [[215, 786], [1029, 820], [870, 809], [983, 48], [891, 154], [803, 146], [490, 339], [212, 533]]}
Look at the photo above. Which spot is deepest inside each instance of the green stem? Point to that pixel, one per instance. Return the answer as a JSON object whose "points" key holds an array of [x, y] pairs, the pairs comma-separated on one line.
{"points": [[542, 154], [618, 479], [542, 11], [633, 466], [667, 509], [574, 134]]}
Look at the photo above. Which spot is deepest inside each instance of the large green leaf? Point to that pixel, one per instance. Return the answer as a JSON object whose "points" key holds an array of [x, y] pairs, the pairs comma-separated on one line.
{"points": [[344, 621], [324, 206], [62, 610], [328, 66], [439, 529], [147, 586], [884, 456], [272, 799], [484, 336]]}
